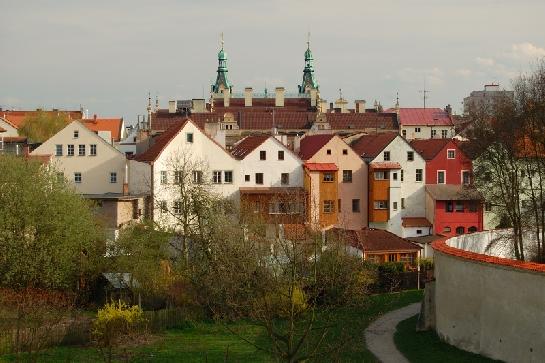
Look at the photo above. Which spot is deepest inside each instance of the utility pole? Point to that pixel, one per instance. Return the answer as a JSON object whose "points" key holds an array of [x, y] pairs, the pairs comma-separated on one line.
{"points": [[424, 92]]}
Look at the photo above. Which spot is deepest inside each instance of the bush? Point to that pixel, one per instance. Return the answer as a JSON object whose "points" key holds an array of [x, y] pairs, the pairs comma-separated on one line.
{"points": [[114, 321]]}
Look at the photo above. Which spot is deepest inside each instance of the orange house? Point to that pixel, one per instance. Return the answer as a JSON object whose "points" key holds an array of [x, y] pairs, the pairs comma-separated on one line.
{"points": [[380, 190], [320, 183]]}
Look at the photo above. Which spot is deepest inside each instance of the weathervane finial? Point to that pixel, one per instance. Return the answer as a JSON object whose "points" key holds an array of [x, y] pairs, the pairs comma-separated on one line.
{"points": [[221, 40], [308, 40]]}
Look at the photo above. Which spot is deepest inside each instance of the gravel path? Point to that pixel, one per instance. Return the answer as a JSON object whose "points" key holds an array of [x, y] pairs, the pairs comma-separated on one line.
{"points": [[379, 336]]}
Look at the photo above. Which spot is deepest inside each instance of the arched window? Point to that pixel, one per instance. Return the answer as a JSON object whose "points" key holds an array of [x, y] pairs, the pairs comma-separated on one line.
{"points": [[472, 229], [460, 230]]}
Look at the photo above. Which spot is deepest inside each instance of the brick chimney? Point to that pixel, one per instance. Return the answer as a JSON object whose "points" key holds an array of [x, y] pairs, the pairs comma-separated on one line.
{"points": [[279, 96], [248, 95], [360, 106]]}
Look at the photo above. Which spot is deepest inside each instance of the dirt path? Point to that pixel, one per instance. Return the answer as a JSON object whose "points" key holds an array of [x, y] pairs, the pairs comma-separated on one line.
{"points": [[379, 336]]}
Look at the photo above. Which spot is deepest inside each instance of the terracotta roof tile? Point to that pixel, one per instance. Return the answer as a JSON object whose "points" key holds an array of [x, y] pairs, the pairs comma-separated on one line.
{"points": [[369, 146], [311, 144], [245, 146], [385, 165], [429, 148], [161, 142], [375, 240], [114, 125], [423, 117], [321, 166], [415, 222], [360, 121]]}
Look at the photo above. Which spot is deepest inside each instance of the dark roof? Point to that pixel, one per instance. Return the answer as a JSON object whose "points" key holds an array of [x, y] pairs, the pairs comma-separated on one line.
{"points": [[452, 192], [360, 121], [163, 120], [375, 240], [429, 148], [369, 146], [161, 142], [311, 144], [237, 104], [245, 146], [283, 120]]}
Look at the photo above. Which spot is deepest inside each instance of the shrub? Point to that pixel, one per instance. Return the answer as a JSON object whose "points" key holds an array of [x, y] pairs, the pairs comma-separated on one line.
{"points": [[114, 321]]}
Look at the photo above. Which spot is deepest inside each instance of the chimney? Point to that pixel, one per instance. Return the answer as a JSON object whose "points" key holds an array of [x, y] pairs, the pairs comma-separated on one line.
{"points": [[360, 106], [95, 118], [331, 106], [248, 94], [226, 97], [199, 105], [279, 96], [313, 97], [172, 106], [126, 178], [322, 106], [448, 109], [341, 105], [296, 144]]}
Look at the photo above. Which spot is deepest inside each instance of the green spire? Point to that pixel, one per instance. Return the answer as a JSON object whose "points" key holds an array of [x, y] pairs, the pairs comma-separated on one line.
{"points": [[309, 80], [222, 81]]}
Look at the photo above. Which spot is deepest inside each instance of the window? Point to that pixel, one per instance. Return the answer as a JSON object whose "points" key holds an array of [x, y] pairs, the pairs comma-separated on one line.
{"points": [[410, 155], [328, 151], [113, 177], [440, 177], [280, 155], [339, 205], [347, 176], [177, 207], [77, 178], [419, 175], [163, 206], [329, 206], [381, 204], [189, 137], [418, 231], [444, 134], [406, 258], [58, 150], [81, 150], [392, 257], [259, 178], [459, 206], [93, 150], [262, 155], [284, 179], [466, 177], [451, 154], [329, 177], [386, 156], [70, 151], [394, 205], [178, 177], [355, 205], [473, 207], [433, 134], [417, 129], [216, 177], [472, 229], [197, 177], [460, 230], [401, 174], [394, 176], [402, 203], [247, 177], [446, 229], [76, 134], [228, 177], [345, 151], [163, 177], [381, 175], [404, 133], [449, 206]]}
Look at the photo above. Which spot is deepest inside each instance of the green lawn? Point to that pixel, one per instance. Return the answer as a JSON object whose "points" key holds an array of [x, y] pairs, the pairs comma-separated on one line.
{"points": [[426, 346], [210, 342]]}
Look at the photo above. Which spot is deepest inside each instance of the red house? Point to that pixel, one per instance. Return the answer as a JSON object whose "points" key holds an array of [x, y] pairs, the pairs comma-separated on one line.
{"points": [[453, 205]]}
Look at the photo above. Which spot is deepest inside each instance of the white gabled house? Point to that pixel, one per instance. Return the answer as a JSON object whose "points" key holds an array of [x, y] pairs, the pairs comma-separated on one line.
{"points": [[182, 146]]}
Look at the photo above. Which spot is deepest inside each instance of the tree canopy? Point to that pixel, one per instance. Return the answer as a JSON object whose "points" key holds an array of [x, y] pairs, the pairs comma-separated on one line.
{"points": [[40, 126]]}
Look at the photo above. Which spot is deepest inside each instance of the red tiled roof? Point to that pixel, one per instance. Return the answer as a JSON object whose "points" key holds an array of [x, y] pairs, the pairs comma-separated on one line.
{"points": [[245, 146], [16, 118], [375, 240], [442, 247], [311, 144], [283, 120], [114, 125], [14, 139], [162, 120], [369, 146], [236, 104], [424, 117], [415, 222], [429, 148], [321, 166], [360, 121], [385, 165], [161, 142]]}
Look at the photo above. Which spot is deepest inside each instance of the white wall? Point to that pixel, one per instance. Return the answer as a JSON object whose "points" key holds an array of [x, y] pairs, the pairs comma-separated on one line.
{"points": [[10, 130], [272, 168], [95, 170], [425, 132]]}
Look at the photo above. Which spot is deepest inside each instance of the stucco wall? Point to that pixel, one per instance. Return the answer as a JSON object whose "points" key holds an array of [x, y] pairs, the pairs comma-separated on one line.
{"points": [[425, 131], [494, 308]]}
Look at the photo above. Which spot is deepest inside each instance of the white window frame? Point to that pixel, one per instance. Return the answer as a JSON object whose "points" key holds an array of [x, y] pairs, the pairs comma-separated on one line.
{"points": [[386, 155], [287, 179], [76, 134], [380, 204], [416, 175], [331, 204], [216, 177], [93, 149], [163, 177], [76, 174], [454, 154], [80, 149], [189, 135], [225, 177], [444, 134], [410, 152], [68, 150], [433, 133], [197, 177], [384, 174], [113, 177], [417, 129], [444, 176], [462, 176], [57, 153]]}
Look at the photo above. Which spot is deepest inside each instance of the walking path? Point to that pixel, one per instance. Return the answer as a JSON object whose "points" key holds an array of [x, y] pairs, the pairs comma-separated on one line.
{"points": [[379, 336]]}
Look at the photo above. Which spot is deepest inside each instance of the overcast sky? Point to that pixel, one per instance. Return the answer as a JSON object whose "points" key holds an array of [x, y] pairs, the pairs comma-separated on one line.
{"points": [[106, 55]]}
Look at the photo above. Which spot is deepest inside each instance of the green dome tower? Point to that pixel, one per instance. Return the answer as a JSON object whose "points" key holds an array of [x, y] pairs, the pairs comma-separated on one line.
{"points": [[309, 80], [222, 81]]}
